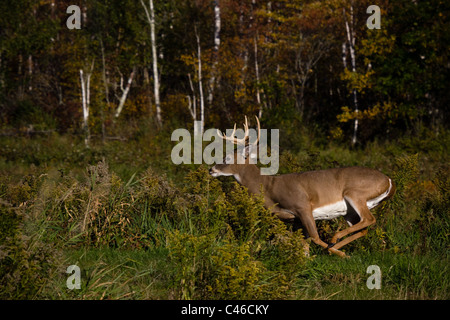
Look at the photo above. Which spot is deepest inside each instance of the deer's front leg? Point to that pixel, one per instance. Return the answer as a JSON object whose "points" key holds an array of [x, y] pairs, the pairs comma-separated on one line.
{"points": [[283, 214], [307, 220], [288, 216]]}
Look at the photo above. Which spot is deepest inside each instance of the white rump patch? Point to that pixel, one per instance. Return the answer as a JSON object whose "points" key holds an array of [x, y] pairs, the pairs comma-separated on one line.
{"points": [[376, 201], [339, 208]]}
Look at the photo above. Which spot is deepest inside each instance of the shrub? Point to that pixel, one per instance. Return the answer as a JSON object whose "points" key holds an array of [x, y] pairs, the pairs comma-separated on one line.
{"points": [[406, 173], [248, 217], [159, 195], [26, 262], [236, 274], [227, 253], [191, 259], [434, 220], [207, 268]]}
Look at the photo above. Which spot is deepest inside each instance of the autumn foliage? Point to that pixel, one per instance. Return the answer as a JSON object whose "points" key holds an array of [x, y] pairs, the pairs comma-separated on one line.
{"points": [[279, 59]]}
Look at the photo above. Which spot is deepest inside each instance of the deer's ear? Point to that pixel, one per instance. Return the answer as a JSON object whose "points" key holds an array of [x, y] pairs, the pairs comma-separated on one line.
{"points": [[246, 151], [249, 150]]}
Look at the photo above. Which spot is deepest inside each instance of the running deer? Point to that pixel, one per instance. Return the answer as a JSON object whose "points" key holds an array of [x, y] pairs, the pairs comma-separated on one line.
{"points": [[308, 196]]}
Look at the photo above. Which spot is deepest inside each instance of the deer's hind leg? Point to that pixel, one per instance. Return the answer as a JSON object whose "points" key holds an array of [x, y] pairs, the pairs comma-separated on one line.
{"points": [[366, 219]]}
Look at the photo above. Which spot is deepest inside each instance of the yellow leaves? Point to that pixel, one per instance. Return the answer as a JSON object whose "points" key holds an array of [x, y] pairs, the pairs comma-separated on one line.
{"points": [[336, 133], [191, 61], [188, 59], [379, 42], [238, 275], [358, 81], [240, 94], [347, 115], [379, 110]]}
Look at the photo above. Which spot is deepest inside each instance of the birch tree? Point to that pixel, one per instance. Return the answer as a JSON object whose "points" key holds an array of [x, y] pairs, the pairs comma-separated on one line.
{"points": [[255, 51], [150, 13], [217, 26], [125, 91], [85, 80], [195, 61], [350, 44], [258, 94], [200, 84]]}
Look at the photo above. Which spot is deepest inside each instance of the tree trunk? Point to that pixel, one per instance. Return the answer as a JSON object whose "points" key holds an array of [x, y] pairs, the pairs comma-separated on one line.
{"points": [[30, 72], [200, 84], [217, 25], [258, 94], [351, 45], [125, 91], [192, 102], [85, 107], [85, 101], [151, 21], [105, 83]]}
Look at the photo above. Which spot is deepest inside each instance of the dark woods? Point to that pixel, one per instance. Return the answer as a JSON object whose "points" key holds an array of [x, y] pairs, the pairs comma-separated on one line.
{"points": [[312, 64]]}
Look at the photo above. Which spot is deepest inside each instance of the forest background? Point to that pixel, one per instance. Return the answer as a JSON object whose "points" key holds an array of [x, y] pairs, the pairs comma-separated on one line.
{"points": [[86, 117]]}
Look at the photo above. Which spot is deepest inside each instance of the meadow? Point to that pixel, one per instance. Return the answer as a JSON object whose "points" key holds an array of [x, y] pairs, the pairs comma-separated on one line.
{"points": [[87, 113], [140, 227]]}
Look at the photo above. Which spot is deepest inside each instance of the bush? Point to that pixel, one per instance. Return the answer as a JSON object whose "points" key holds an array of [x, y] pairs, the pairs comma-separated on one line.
{"points": [[248, 217], [234, 248], [207, 268], [26, 262], [236, 274], [190, 256], [434, 220]]}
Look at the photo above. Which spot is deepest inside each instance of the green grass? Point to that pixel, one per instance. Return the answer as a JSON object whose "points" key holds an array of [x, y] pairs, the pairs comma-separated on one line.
{"points": [[403, 276], [147, 274], [139, 231], [108, 273]]}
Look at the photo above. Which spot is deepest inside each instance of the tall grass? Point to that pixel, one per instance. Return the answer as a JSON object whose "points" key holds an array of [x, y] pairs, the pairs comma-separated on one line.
{"points": [[148, 235]]}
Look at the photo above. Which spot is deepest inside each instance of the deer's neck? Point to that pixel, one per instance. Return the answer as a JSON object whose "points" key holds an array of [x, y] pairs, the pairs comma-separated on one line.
{"points": [[250, 177]]}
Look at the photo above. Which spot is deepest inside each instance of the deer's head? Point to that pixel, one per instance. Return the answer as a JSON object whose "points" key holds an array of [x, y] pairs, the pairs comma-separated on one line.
{"points": [[245, 154]]}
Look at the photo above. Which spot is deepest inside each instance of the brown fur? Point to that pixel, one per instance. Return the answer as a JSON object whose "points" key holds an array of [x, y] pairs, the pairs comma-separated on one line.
{"points": [[296, 195]]}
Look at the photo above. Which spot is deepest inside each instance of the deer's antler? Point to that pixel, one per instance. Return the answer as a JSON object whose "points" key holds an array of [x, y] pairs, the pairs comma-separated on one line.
{"points": [[235, 140]]}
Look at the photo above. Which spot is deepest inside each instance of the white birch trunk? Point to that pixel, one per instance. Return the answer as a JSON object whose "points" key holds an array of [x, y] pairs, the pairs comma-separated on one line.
{"points": [[351, 44], [200, 84], [85, 101], [217, 23], [217, 26], [151, 21], [258, 94], [85, 107], [125, 91], [192, 104], [88, 91], [344, 54]]}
